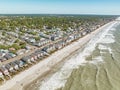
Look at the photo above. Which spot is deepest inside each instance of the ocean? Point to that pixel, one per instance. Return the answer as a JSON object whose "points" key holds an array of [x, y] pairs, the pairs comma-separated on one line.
{"points": [[95, 67]]}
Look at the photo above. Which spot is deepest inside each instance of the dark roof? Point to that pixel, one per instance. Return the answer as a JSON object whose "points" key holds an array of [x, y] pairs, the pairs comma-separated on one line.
{"points": [[12, 63], [45, 48], [3, 69], [8, 66], [7, 56], [25, 58], [18, 62]]}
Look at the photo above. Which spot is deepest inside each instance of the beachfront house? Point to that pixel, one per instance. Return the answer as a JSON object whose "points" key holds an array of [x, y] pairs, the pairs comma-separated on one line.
{"points": [[88, 30], [63, 43], [37, 54], [71, 37], [76, 36], [14, 65], [79, 35], [1, 75], [19, 63], [58, 45], [9, 67], [26, 59], [4, 70], [68, 40], [42, 53], [83, 33], [45, 49], [32, 58], [52, 48]]}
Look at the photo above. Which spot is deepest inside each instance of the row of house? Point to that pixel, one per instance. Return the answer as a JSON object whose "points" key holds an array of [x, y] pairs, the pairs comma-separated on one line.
{"points": [[41, 42], [14, 66], [5, 55], [63, 42], [6, 70], [49, 48], [34, 42]]}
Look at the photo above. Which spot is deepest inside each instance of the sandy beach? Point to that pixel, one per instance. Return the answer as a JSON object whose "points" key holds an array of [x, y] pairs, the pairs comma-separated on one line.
{"points": [[29, 75]]}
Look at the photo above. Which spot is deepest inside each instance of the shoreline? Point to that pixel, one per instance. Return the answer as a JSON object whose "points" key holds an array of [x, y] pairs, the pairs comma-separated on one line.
{"points": [[26, 77], [55, 68]]}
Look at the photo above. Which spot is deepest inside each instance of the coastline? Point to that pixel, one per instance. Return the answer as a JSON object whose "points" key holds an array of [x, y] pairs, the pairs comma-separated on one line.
{"points": [[29, 75], [54, 69]]}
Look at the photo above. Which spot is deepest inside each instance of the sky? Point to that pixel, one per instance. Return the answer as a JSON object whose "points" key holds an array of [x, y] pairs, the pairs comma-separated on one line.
{"points": [[107, 7]]}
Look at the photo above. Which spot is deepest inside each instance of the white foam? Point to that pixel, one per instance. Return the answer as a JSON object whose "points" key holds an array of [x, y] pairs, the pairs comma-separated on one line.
{"points": [[107, 40], [102, 47], [96, 60], [110, 50], [59, 78], [107, 37], [118, 18], [113, 29]]}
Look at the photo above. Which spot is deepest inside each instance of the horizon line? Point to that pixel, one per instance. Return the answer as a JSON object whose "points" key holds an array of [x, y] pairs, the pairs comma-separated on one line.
{"points": [[55, 14]]}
